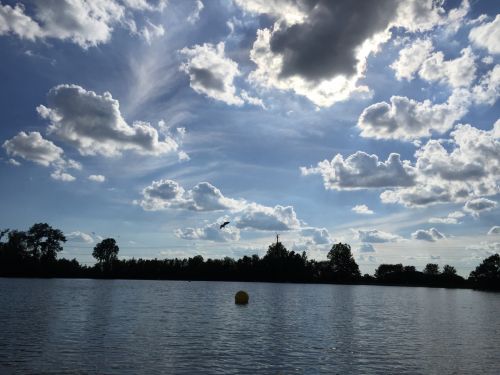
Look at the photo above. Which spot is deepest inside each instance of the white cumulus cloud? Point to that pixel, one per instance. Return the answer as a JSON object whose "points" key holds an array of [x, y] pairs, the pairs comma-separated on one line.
{"points": [[165, 194], [431, 235], [80, 237], [487, 35], [362, 170], [212, 73], [258, 217], [411, 58], [85, 23], [97, 178], [377, 236], [408, 119], [452, 218], [478, 205], [362, 209], [210, 232], [318, 236], [94, 125], [33, 147]]}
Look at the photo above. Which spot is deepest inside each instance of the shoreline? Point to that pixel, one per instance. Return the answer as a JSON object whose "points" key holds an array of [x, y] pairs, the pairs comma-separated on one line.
{"points": [[470, 287]]}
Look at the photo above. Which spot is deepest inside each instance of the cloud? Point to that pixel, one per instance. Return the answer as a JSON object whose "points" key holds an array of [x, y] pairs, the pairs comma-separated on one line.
{"points": [[212, 73], [476, 206], [455, 170], [366, 248], [195, 15], [362, 170], [258, 217], [486, 35], [14, 162], [290, 11], [319, 49], [168, 194], [210, 232], [318, 236], [408, 119], [165, 194], [495, 230], [252, 100], [377, 236], [487, 90], [459, 72], [94, 125], [417, 196], [13, 20], [150, 5], [411, 59], [484, 249], [430, 235], [488, 60], [150, 31], [80, 237], [85, 23], [469, 166], [62, 176], [97, 178], [367, 259], [33, 147], [452, 218], [362, 209]]}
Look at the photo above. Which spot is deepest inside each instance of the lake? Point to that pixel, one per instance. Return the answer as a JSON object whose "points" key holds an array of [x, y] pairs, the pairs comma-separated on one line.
{"points": [[59, 326]]}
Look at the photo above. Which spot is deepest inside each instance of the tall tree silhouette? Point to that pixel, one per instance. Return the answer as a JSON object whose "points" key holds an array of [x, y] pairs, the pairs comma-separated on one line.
{"points": [[487, 274], [342, 263], [44, 242], [449, 270], [106, 252], [431, 269]]}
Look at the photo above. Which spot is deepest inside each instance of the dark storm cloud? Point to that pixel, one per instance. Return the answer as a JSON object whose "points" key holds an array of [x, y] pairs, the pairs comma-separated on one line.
{"points": [[325, 44], [206, 78]]}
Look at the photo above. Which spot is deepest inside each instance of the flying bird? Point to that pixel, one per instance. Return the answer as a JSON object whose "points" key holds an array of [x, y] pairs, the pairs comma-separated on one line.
{"points": [[224, 224]]}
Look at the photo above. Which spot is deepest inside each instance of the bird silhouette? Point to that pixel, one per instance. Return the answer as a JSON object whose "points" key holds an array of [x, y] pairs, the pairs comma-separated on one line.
{"points": [[224, 224]]}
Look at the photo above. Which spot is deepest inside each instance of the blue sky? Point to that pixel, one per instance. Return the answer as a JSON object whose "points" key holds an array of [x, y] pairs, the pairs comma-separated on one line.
{"points": [[371, 123]]}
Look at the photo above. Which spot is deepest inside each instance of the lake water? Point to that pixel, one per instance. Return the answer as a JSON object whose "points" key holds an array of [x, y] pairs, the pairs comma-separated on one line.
{"points": [[62, 326]]}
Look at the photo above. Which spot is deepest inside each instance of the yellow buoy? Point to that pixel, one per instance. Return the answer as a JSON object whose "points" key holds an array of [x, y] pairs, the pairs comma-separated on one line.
{"points": [[241, 298]]}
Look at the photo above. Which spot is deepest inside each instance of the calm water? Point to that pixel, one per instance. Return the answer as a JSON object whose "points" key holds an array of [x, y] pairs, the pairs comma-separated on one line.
{"points": [[148, 327]]}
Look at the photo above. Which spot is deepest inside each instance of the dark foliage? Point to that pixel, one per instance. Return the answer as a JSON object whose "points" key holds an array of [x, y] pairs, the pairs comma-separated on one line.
{"points": [[106, 253], [408, 275], [487, 274], [34, 254], [342, 264]]}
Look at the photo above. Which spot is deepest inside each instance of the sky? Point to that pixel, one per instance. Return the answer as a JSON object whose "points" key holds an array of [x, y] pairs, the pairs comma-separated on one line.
{"points": [[374, 123]]}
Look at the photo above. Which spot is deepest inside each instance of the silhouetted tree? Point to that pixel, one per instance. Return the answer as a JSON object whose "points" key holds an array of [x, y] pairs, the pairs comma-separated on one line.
{"points": [[487, 274], [449, 270], [106, 252], [13, 253], [24, 254], [276, 251], [431, 269], [409, 269], [385, 269], [342, 263], [44, 242]]}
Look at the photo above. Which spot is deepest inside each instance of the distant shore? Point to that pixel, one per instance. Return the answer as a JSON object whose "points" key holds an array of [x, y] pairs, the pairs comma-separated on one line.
{"points": [[465, 285], [34, 254]]}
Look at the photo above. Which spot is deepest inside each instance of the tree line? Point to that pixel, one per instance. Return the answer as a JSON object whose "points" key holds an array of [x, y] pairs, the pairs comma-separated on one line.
{"points": [[33, 253]]}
